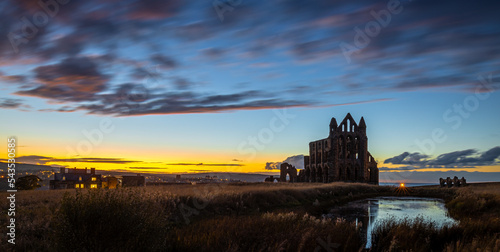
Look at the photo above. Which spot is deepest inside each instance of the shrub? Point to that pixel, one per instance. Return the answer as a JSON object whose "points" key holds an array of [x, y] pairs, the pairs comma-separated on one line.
{"points": [[406, 234], [267, 232], [30, 182], [112, 220]]}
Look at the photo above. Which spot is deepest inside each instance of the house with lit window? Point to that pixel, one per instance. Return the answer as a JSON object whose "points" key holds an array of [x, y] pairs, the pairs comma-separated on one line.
{"points": [[110, 182], [69, 178]]}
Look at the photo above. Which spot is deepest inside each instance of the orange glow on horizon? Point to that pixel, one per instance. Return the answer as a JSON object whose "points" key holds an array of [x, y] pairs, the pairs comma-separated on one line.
{"points": [[161, 164], [170, 161]]}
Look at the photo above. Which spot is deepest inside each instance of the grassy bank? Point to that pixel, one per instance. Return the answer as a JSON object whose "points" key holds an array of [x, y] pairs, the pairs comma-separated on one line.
{"points": [[477, 208], [235, 217]]}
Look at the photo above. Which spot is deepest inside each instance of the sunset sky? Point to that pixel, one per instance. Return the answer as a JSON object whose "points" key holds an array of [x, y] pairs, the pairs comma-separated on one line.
{"points": [[235, 86]]}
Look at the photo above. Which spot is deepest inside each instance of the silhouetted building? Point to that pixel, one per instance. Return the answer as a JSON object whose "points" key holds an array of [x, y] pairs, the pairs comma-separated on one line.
{"points": [[110, 182], [342, 156], [290, 170], [76, 178], [456, 182]]}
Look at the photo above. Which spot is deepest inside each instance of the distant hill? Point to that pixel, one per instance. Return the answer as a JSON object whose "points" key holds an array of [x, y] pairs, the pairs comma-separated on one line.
{"points": [[44, 172], [29, 167]]}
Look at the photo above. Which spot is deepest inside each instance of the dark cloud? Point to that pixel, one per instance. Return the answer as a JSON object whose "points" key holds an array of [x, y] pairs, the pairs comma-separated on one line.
{"points": [[164, 61], [128, 92], [203, 164], [35, 159], [456, 157], [12, 78], [64, 109], [12, 19], [416, 168], [97, 160], [154, 9], [407, 158], [182, 83], [490, 155], [272, 165], [229, 98], [402, 168], [465, 35], [77, 67], [447, 35], [7, 103], [141, 73], [397, 159], [315, 50], [144, 102], [97, 26], [463, 159], [73, 79], [214, 53], [147, 168], [69, 46], [195, 31]]}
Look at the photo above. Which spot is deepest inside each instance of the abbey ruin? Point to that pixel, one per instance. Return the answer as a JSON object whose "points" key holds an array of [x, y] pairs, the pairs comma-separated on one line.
{"points": [[342, 156]]}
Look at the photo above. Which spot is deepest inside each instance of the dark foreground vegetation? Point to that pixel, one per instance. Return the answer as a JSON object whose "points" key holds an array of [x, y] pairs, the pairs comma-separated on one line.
{"points": [[241, 217]]}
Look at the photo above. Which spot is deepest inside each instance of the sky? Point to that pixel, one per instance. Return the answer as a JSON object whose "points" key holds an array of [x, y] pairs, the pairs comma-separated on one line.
{"points": [[169, 86]]}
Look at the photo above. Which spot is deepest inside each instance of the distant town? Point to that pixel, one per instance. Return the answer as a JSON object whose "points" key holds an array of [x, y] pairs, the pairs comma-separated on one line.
{"points": [[105, 178]]}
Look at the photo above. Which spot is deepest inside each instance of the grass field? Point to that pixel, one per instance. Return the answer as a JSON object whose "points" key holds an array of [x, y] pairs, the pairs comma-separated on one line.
{"points": [[241, 217]]}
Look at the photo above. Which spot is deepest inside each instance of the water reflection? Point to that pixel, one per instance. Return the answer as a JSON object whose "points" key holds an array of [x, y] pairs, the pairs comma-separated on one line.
{"points": [[369, 212]]}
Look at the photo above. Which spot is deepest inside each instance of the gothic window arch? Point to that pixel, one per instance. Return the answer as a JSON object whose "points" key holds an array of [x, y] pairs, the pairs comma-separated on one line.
{"points": [[341, 147], [349, 146]]}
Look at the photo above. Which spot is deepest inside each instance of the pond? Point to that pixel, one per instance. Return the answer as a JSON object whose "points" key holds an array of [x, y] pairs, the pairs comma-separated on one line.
{"points": [[368, 213]]}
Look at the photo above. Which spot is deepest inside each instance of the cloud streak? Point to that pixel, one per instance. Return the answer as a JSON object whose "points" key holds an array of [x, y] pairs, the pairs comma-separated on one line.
{"points": [[202, 164], [469, 158], [87, 52], [8, 103], [36, 159]]}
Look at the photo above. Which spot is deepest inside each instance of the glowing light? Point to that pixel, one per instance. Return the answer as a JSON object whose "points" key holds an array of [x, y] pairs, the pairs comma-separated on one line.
{"points": [[402, 189]]}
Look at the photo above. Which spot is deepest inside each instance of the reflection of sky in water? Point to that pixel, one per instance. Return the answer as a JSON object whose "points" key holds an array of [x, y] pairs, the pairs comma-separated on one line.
{"points": [[385, 208], [399, 209]]}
